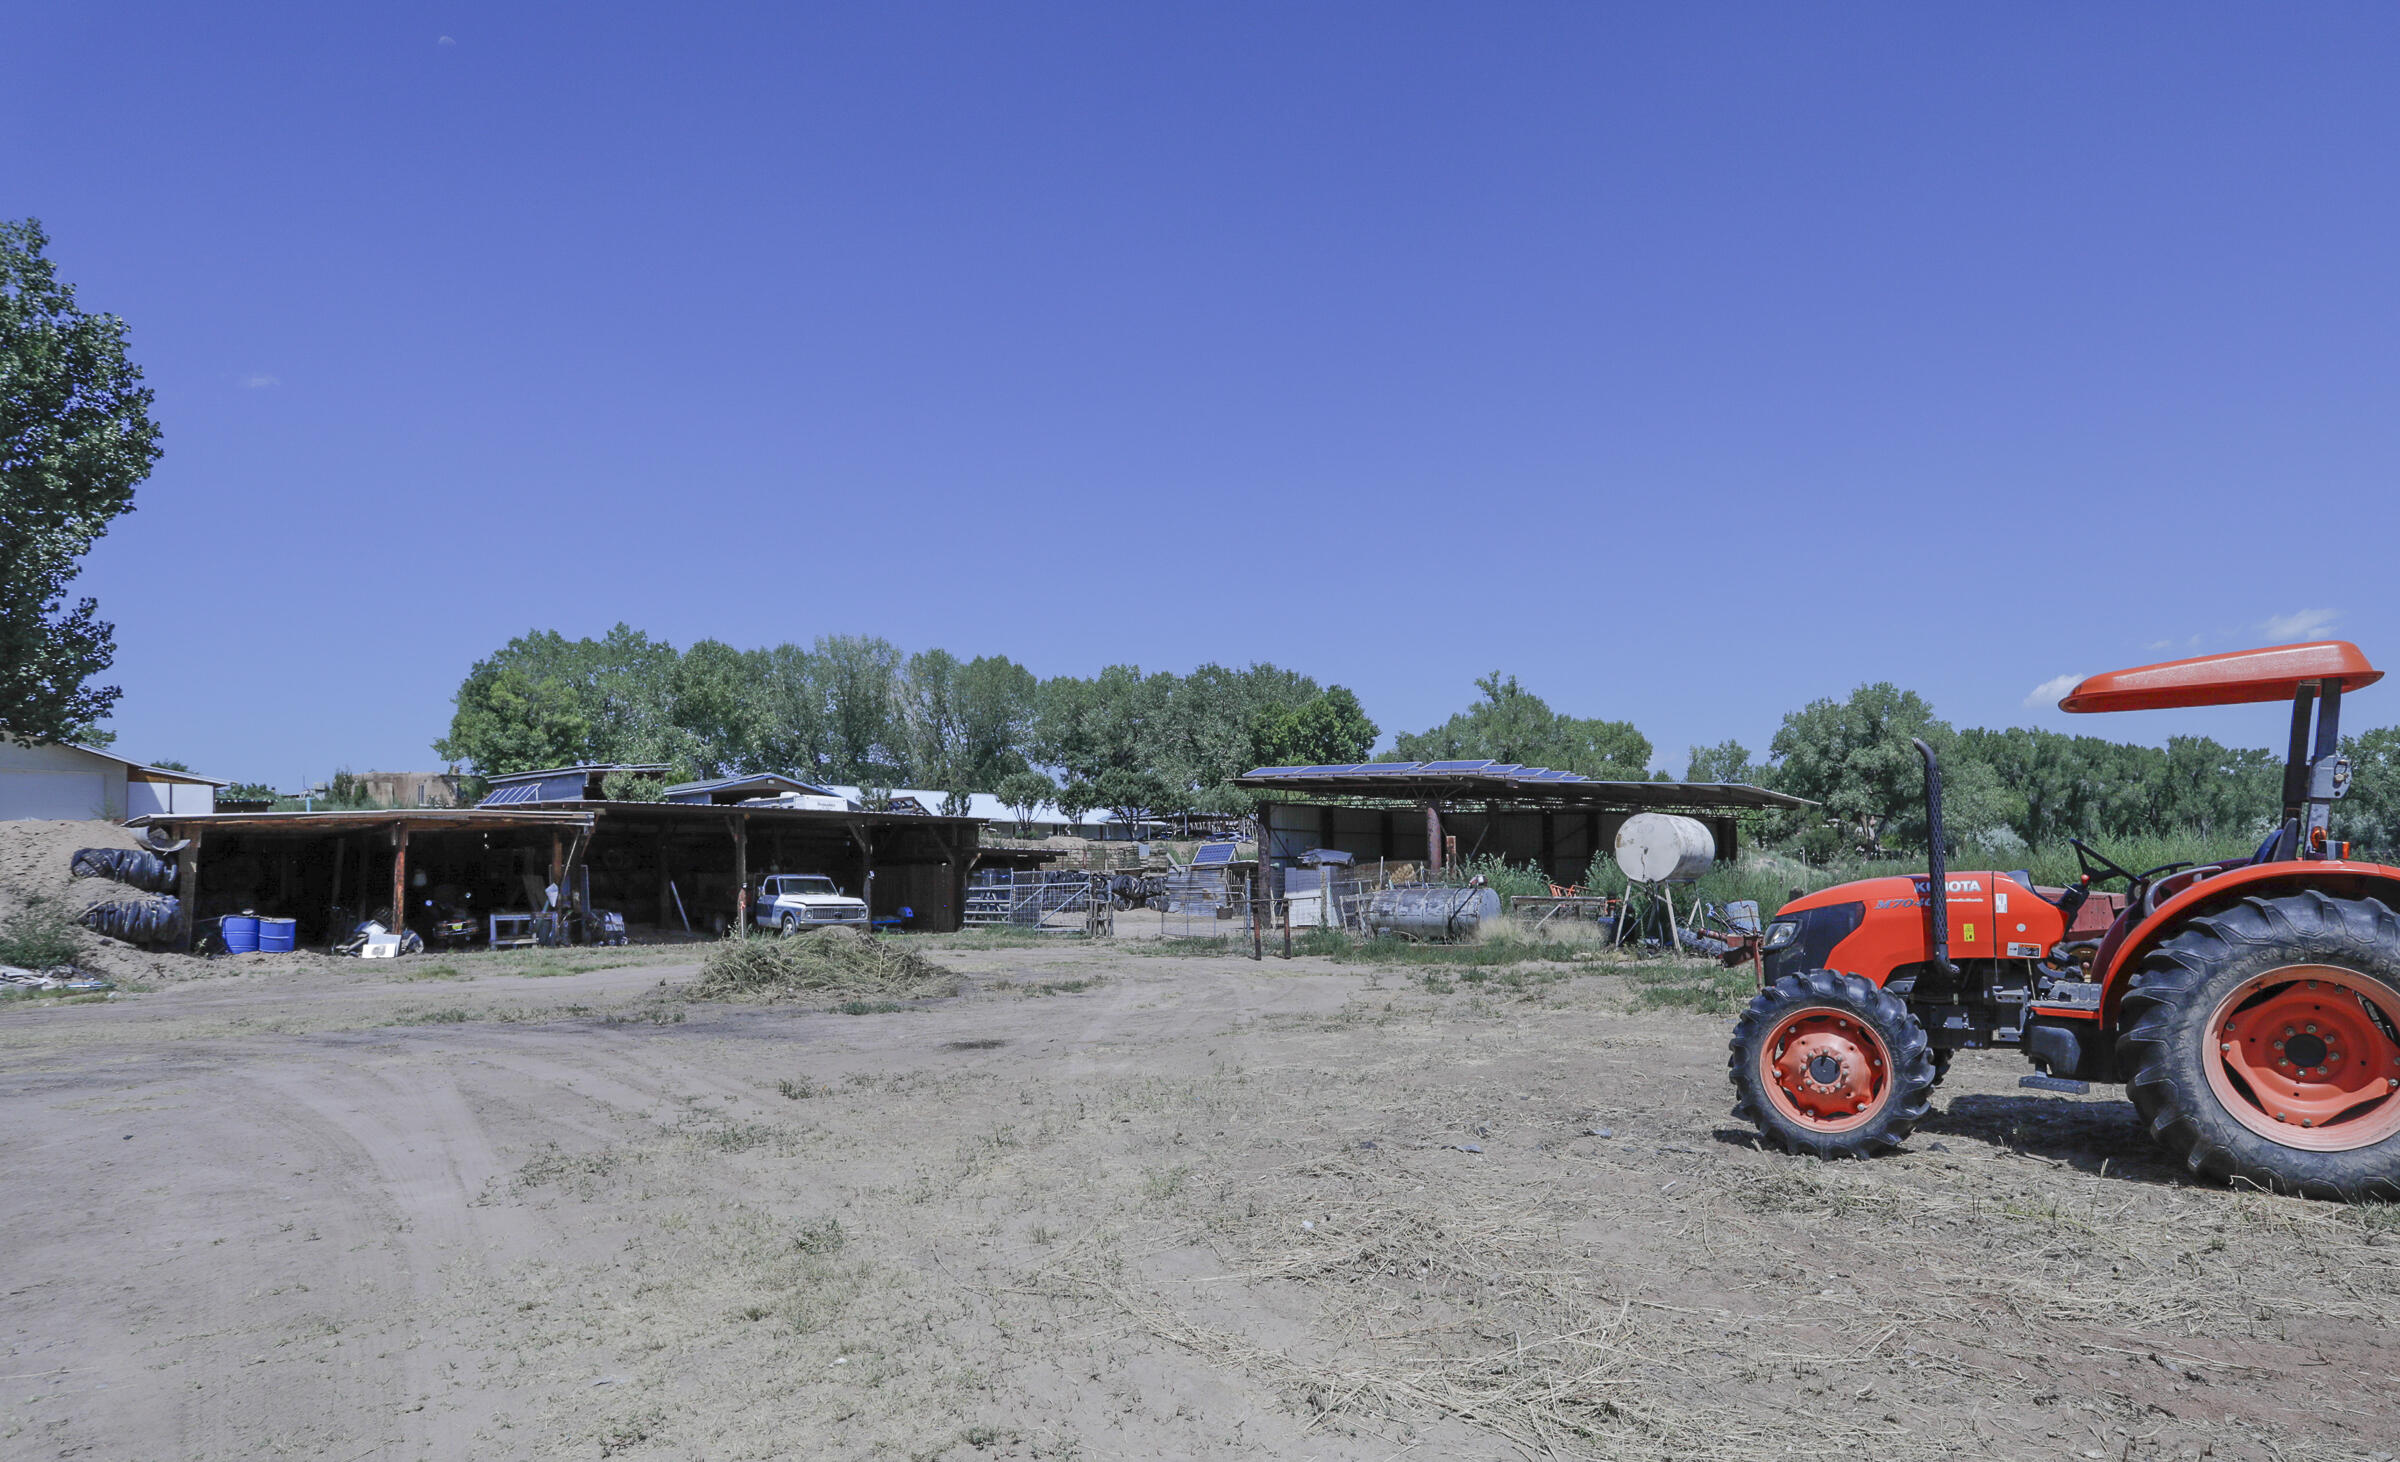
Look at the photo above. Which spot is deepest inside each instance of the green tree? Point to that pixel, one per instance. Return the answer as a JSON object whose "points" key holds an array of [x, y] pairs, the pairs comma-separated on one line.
{"points": [[1854, 759], [2370, 816], [507, 719], [966, 722], [718, 713], [859, 676], [1024, 793], [76, 438], [1512, 724], [1727, 761], [1329, 728]]}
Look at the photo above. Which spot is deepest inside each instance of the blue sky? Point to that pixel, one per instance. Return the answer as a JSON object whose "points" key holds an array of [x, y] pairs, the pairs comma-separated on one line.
{"points": [[1691, 362]]}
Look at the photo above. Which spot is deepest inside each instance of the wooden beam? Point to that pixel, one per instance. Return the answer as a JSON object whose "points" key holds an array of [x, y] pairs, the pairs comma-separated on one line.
{"points": [[187, 891], [740, 828], [334, 933], [400, 878]]}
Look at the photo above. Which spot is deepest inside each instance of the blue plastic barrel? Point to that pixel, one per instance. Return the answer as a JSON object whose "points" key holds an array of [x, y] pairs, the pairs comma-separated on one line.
{"points": [[241, 933], [277, 936]]}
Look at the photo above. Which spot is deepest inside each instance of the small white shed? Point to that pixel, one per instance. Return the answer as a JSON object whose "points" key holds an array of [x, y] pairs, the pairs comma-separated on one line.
{"points": [[62, 780]]}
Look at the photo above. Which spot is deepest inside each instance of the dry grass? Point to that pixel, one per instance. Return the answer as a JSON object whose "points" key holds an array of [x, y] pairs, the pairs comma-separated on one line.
{"points": [[818, 966]]}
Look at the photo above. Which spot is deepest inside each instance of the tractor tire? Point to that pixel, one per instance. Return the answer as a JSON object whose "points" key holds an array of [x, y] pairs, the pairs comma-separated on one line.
{"points": [[1830, 1065], [1941, 1063], [2264, 1045]]}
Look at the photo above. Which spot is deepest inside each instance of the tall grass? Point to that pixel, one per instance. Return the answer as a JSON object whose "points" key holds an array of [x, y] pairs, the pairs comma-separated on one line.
{"points": [[38, 934], [1770, 877]]}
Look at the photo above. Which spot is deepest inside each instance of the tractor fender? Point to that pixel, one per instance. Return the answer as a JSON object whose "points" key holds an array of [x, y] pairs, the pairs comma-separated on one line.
{"points": [[2340, 878]]}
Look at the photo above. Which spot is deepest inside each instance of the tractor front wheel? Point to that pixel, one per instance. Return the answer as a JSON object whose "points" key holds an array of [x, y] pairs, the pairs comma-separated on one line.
{"points": [[1830, 1065], [2264, 1045]]}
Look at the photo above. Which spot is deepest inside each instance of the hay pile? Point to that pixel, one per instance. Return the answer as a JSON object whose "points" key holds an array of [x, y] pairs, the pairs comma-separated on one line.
{"points": [[838, 963]]}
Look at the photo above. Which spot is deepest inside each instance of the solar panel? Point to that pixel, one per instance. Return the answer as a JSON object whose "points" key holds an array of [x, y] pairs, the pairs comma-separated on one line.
{"points": [[1340, 771], [521, 792], [1213, 853], [1455, 766]]}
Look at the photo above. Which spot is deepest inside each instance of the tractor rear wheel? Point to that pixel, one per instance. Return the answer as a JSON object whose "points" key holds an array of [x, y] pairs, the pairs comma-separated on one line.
{"points": [[2264, 1045], [1831, 1065]]}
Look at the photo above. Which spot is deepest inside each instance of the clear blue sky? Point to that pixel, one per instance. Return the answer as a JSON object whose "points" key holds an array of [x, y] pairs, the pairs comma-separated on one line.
{"points": [[1691, 362]]}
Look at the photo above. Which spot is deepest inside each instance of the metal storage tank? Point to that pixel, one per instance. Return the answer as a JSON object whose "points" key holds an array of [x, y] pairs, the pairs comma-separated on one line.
{"points": [[1431, 913], [1659, 847]]}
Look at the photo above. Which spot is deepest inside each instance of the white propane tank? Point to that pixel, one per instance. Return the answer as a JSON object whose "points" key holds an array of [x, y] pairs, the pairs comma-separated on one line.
{"points": [[1659, 847]]}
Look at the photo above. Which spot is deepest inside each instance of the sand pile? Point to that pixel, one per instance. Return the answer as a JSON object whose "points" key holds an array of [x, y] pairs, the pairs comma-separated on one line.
{"points": [[825, 963], [35, 855]]}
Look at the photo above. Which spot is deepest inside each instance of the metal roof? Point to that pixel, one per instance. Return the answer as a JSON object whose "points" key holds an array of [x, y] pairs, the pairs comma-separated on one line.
{"points": [[753, 779], [163, 774], [647, 769], [1497, 781]]}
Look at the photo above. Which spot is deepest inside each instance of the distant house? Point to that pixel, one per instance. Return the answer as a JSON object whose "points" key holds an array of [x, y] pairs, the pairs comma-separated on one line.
{"points": [[1048, 820], [758, 787], [63, 780], [562, 784]]}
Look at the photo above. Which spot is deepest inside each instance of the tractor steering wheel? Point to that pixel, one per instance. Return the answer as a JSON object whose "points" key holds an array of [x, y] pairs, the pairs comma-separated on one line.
{"points": [[2098, 867]]}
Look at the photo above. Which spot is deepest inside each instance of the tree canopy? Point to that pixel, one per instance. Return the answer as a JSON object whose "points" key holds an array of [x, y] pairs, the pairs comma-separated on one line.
{"points": [[1512, 724], [856, 710], [75, 439]]}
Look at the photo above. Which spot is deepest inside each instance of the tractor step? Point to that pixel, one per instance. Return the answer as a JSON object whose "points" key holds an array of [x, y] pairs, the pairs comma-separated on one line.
{"points": [[2054, 1083]]}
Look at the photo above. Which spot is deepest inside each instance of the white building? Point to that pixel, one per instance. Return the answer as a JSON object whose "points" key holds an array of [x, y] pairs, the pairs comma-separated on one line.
{"points": [[61, 780], [1048, 820]]}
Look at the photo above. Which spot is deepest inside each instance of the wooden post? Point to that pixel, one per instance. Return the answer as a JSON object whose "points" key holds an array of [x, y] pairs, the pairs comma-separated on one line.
{"points": [[1433, 839], [399, 877], [740, 828], [187, 891], [866, 869], [334, 933]]}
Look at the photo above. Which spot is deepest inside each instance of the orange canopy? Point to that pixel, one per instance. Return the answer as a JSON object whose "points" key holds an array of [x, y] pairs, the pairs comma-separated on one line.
{"points": [[2233, 678]]}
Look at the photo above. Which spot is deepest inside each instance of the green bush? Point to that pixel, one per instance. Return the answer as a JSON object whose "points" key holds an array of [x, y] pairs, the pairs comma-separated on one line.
{"points": [[39, 934]]}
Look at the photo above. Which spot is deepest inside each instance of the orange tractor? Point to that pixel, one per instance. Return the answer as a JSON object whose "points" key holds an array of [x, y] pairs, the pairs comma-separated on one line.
{"points": [[2250, 1007]]}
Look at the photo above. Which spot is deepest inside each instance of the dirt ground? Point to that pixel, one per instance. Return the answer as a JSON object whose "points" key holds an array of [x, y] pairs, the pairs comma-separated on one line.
{"points": [[1107, 1203]]}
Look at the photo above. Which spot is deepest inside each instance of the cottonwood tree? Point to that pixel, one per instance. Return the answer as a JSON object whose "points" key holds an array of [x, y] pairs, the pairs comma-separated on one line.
{"points": [[75, 439]]}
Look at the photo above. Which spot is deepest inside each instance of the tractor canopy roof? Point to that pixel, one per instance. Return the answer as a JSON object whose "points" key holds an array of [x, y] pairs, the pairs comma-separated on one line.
{"points": [[2236, 677]]}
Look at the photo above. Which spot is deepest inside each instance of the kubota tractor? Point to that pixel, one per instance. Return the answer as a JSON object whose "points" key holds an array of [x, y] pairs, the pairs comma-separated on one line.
{"points": [[2251, 1007]]}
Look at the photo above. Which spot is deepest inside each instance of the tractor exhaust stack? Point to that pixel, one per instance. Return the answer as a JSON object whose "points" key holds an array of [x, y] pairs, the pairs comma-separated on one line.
{"points": [[1937, 860]]}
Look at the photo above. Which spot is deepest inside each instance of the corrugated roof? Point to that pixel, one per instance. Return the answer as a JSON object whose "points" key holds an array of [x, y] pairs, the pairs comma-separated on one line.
{"points": [[987, 806], [167, 773], [751, 780], [1417, 781], [647, 769]]}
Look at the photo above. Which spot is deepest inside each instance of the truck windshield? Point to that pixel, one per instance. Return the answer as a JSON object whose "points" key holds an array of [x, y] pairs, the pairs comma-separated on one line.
{"points": [[808, 885]]}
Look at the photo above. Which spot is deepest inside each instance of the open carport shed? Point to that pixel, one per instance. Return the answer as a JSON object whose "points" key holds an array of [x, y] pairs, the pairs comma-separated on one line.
{"points": [[660, 864], [1552, 820]]}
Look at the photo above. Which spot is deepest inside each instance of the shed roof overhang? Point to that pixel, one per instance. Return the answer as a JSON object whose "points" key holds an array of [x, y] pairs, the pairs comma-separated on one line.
{"points": [[1488, 781], [2236, 677]]}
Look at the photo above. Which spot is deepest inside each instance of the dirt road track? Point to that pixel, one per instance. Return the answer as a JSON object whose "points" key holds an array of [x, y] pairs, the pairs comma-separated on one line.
{"points": [[1201, 1208]]}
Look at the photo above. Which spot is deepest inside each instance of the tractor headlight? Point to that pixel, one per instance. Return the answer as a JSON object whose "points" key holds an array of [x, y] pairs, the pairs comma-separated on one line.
{"points": [[1781, 933]]}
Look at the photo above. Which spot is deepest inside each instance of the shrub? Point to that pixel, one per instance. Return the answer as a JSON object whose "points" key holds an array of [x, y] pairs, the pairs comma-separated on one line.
{"points": [[38, 935]]}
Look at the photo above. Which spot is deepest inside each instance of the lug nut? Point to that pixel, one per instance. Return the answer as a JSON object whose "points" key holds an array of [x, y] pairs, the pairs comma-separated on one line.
{"points": [[2225, 1045], [2312, 1027], [2279, 1045]]}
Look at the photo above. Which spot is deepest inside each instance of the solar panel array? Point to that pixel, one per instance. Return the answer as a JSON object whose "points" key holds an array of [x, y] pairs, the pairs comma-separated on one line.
{"points": [[1213, 853]]}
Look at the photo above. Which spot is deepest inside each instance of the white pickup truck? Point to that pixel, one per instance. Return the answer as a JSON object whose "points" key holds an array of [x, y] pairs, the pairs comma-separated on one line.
{"points": [[791, 902]]}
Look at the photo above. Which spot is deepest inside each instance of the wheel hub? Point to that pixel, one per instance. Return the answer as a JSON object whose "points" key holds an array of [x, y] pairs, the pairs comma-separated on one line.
{"points": [[2307, 1055], [1826, 1068]]}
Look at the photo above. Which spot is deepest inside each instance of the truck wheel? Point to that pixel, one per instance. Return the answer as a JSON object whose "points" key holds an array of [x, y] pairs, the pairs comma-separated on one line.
{"points": [[2264, 1042], [790, 925], [1830, 1065]]}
